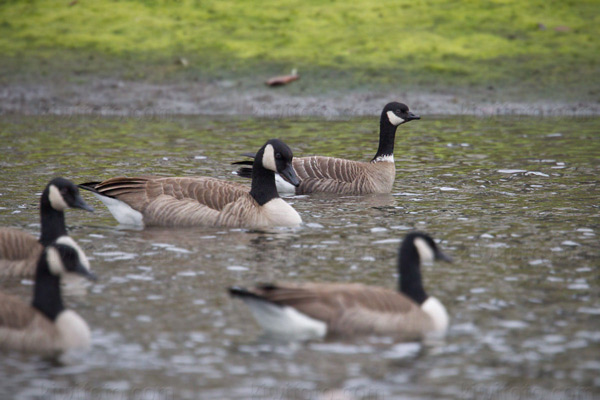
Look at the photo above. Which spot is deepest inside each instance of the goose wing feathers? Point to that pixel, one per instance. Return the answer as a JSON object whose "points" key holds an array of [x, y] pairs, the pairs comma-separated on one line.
{"points": [[338, 175], [16, 244], [180, 201], [325, 171], [14, 313], [350, 308], [19, 252]]}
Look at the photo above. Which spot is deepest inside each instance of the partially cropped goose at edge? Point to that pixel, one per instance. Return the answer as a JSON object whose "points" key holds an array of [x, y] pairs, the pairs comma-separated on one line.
{"points": [[203, 201], [19, 251], [320, 174], [313, 310], [46, 326]]}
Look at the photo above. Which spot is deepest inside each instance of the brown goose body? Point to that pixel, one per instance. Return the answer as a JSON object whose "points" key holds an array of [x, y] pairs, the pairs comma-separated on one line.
{"points": [[192, 201], [320, 174], [351, 309], [314, 310], [204, 201], [19, 252]]}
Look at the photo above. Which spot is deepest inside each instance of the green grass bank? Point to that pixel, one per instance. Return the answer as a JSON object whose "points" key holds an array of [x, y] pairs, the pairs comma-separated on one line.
{"points": [[537, 47]]}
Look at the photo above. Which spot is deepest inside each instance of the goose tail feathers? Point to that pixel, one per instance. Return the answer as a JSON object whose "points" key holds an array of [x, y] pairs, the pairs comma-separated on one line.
{"points": [[91, 186]]}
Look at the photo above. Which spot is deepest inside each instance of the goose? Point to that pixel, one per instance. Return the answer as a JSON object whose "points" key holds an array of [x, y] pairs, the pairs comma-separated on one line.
{"points": [[19, 251], [305, 311], [204, 201], [46, 327], [320, 174]]}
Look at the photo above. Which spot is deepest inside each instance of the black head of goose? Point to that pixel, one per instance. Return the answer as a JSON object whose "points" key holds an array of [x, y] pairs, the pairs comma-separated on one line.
{"points": [[393, 115], [275, 157], [46, 326], [59, 195], [204, 201], [341, 176], [19, 250], [312, 310]]}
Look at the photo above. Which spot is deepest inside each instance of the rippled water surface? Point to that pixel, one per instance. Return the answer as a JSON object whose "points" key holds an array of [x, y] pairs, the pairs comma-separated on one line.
{"points": [[515, 201]]}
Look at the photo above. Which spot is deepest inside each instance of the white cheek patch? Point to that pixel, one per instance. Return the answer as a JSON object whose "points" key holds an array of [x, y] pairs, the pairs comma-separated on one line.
{"points": [[394, 119], [68, 241], [425, 251], [56, 200], [54, 261], [268, 160]]}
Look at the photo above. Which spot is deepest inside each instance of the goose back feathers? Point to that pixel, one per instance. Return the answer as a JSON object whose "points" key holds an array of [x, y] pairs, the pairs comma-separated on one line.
{"points": [[337, 175], [19, 251], [204, 201], [320, 174], [319, 309]]}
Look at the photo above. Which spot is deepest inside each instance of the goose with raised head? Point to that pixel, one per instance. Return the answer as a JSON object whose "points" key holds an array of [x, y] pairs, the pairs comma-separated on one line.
{"points": [[19, 251], [320, 174], [46, 327], [313, 310], [203, 201]]}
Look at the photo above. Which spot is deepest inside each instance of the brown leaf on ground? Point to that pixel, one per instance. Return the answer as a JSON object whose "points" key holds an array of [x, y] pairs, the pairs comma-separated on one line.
{"points": [[283, 79]]}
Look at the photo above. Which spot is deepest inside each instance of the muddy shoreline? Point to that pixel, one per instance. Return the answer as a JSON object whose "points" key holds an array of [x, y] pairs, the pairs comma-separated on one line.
{"points": [[131, 98]]}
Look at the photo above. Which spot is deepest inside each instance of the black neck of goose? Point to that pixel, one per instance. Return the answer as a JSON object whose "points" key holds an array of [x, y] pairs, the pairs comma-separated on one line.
{"points": [[46, 291], [409, 279], [53, 221], [263, 184], [387, 136]]}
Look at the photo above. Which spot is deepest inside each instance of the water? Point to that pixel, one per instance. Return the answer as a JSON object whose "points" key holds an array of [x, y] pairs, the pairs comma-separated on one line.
{"points": [[514, 200]]}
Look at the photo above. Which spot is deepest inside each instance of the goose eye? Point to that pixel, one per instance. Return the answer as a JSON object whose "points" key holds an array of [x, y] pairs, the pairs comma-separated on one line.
{"points": [[278, 155]]}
